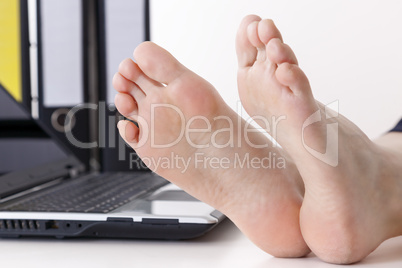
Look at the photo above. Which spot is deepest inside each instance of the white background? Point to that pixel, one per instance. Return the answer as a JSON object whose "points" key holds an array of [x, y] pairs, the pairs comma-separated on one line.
{"points": [[350, 50]]}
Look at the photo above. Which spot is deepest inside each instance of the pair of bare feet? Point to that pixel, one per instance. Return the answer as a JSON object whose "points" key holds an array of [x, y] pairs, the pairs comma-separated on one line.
{"points": [[341, 205]]}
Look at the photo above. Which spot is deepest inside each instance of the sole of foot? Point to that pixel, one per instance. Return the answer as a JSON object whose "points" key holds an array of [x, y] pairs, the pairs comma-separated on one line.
{"points": [[180, 113], [349, 205]]}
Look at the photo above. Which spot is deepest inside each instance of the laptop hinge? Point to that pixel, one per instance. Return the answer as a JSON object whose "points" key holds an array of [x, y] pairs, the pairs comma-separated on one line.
{"points": [[31, 190], [74, 172], [22, 180]]}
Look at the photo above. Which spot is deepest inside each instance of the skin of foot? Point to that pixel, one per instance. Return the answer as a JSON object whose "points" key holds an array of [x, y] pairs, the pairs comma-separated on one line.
{"points": [[263, 202], [352, 200]]}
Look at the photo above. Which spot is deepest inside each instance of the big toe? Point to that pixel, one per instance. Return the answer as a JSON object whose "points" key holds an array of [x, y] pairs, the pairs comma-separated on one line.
{"points": [[246, 52], [157, 63]]}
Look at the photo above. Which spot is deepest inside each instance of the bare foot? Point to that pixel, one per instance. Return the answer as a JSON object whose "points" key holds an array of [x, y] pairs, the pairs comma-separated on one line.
{"points": [[353, 186], [263, 201]]}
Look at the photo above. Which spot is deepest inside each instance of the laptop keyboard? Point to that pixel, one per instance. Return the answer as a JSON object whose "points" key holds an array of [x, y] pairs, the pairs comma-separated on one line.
{"points": [[94, 193]]}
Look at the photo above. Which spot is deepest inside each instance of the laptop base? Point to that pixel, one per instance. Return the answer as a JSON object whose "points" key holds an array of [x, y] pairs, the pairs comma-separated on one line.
{"points": [[112, 228]]}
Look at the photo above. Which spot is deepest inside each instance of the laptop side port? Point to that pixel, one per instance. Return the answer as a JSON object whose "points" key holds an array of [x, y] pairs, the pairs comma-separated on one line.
{"points": [[27, 225]]}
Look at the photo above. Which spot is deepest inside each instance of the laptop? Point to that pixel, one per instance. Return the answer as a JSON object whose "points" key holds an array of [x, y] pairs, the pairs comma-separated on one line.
{"points": [[59, 197]]}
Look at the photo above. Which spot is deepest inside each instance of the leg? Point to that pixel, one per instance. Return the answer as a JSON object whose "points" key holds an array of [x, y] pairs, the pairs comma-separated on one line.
{"points": [[166, 98], [353, 194]]}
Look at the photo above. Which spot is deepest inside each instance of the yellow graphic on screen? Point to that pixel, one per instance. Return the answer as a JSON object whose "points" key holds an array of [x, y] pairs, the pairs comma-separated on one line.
{"points": [[10, 58]]}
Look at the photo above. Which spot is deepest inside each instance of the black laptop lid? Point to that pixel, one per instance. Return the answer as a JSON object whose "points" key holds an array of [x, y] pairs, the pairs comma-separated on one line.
{"points": [[28, 155], [23, 143]]}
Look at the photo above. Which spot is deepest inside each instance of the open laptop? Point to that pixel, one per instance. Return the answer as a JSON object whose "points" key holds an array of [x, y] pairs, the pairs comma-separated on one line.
{"points": [[59, 197]]}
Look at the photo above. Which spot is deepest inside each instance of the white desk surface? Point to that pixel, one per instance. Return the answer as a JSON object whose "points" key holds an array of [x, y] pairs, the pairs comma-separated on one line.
{"points": [[225, 246]]}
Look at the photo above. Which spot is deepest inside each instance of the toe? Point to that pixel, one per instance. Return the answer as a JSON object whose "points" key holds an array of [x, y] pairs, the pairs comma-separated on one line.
{"points": [[293, 77], [129, 132], [123, 85], [157, 63], [246, 52], [252, 35], [267, 31], [126, 105], [278, 52], [259, 33], [130, 70]]}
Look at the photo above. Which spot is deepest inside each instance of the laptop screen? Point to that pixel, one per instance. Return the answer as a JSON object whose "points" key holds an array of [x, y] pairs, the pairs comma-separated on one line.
{"points": [[23, 144]]}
